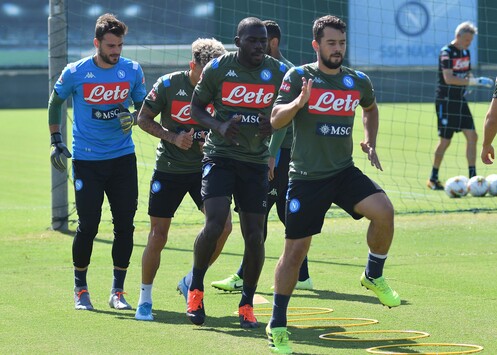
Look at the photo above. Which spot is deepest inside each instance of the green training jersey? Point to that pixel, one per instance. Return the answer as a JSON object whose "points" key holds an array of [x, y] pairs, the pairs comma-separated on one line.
{"points": [[322, 144], [237, 90], [287, 141], [171, 96]]}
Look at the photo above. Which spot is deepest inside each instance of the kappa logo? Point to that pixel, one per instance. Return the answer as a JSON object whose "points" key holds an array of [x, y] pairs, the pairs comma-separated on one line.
{"points": [[89, 75], [231, 73], [318, 80], [181, 92]]}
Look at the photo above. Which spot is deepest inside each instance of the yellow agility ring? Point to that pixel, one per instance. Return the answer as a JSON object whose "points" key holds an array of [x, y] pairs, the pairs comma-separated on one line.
{"points": [[312, 311], [365, 321], [474, 349], [417, 336]]}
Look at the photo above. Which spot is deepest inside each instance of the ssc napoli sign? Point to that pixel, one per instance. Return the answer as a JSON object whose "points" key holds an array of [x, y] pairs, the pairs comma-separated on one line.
{"points": [[405, 33]]}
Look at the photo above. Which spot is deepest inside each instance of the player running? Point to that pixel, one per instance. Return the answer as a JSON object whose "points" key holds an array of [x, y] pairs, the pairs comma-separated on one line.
{"points": [[178, 164], [242, 87], [102, 87]]}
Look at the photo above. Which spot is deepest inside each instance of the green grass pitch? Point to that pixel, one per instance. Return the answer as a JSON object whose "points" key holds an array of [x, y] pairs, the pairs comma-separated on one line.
{"points": [[442, 264]]}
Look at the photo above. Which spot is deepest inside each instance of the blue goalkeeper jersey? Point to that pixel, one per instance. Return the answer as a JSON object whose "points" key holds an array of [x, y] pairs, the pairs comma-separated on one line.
{"points": [[96, 93]]}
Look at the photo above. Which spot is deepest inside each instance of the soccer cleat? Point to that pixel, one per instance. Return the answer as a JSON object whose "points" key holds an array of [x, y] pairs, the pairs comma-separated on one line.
{"points": [[247, 318], [434, 185], [278, 340], [144, 312], [195, 307], [231, 284], [117, 301], [304, 285], [82, 299], [183, 288], [386, 295]]}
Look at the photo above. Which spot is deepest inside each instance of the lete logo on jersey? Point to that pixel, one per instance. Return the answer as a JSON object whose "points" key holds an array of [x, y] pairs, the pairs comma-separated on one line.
{"points": [[180, 112], [333, 102], [106, 93], [247, 95]]}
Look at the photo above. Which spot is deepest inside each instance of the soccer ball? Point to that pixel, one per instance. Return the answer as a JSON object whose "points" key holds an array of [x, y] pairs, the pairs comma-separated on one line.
{"points": [[492, 184], [456, 186], [478, 186]]}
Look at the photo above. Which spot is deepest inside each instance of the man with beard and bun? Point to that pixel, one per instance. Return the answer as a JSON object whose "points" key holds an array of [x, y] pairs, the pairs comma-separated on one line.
{"points": [[102, 87], [178, 163], [279, 158], [242, 87], [320, 99]]}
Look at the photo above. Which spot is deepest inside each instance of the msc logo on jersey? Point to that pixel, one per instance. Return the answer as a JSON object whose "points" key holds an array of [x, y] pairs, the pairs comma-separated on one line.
{"points": [[348, 81], [247, 95], [155, 187], [331, 130], [266, 75], [333, 102], [294, 205], [104, 114], [248, 118], [106, 93]]}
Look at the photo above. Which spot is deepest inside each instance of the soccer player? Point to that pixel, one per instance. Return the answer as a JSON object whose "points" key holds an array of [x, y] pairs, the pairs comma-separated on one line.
{"points": [[320, 100], [104, 162], [279, 158], [242, 87], [489, 131], [178, 169], [454, 75]]}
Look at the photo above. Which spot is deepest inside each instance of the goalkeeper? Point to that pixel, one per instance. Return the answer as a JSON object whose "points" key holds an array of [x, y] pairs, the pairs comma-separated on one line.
{"points": [[104, 160], [454, 75]]}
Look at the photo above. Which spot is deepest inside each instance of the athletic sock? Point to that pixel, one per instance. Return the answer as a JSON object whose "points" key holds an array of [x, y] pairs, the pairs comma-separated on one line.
{"points": [[118, 281], [80, 278], [434, 174], [374, 266], [280, 307], [198, 279], [240, 271], [304, 270], [145, 294], [247, 296], [472, 171]]}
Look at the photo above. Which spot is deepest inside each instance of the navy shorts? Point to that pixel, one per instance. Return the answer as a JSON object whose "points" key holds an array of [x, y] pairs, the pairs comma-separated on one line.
{"points": [[453, 116], [309, 200], [246, 182], [167, 191]]}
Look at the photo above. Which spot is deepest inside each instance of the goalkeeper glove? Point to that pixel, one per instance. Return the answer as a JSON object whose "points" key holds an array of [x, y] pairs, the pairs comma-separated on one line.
{"points": [[126, 118], [481, 81], [58, 148]]}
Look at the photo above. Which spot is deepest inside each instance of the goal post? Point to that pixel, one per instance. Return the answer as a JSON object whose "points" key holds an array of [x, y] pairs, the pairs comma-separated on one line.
{"points": [[57, 53]]}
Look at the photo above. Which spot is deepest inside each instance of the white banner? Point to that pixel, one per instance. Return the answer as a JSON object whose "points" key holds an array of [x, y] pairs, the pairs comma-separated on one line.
{"points": [[405, 33]]}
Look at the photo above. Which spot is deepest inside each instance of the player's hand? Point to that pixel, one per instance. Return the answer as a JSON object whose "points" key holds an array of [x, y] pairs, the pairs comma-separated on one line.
{"points": [[58, 149], [184, 140], [482, 81], [271, 164], [265, 128], [372, 156], [487, 154], [230, 129], [126, 118], [305, 92]]}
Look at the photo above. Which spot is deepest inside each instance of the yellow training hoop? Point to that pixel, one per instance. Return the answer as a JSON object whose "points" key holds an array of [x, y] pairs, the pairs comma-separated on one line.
{"points": [[475, 349], [418, 336], [313, 311], [366, 321]]}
